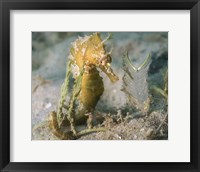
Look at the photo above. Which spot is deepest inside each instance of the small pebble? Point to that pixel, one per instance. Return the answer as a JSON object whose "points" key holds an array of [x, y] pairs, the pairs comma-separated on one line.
{"points": [[149, 132], [48, 105], [142, 129], [161, 132], [135, 136]]}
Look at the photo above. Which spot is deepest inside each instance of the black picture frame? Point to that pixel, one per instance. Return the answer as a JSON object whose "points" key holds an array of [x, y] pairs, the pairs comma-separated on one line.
{"points": [[7, 5]]}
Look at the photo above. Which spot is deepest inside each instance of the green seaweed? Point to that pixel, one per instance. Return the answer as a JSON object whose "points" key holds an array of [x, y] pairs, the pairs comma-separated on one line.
{"points": [[64, 92], [163, 91]]}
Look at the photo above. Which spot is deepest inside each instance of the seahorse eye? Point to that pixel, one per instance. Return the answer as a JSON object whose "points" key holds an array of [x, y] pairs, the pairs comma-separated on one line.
{"points": [[103, 62]]}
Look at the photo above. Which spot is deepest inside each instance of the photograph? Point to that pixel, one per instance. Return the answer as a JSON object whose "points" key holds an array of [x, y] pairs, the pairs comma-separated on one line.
{"points": [[99, 85], [86, 86]]}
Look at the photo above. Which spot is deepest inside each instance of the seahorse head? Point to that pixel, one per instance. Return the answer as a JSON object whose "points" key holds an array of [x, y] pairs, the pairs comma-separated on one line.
{"points": [[89, 51]]}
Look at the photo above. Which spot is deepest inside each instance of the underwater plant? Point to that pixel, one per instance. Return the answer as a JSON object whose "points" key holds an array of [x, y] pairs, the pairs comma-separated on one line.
{"points": [[135, 84], [86, 55], [164, 90]]}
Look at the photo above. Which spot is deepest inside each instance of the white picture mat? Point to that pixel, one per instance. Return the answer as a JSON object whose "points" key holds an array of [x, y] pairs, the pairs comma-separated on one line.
{"points": [[175, 149]]}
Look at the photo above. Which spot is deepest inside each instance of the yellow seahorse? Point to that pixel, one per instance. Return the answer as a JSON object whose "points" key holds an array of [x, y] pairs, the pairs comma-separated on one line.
{"points": [[87, 55]]}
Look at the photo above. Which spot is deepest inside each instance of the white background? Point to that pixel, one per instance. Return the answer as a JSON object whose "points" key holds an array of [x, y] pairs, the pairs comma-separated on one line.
{"points": [[175, 149]]}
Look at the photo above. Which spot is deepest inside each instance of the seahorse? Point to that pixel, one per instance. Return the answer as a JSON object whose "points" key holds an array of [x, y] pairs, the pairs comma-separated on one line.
{"points": [[89, 53], [87, 56]]}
